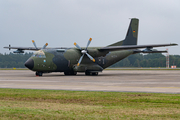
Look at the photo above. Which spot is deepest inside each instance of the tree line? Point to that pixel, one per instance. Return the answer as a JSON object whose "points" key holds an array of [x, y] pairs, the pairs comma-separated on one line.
{"points": [[137, 60], [14, 60], [148, 60]]}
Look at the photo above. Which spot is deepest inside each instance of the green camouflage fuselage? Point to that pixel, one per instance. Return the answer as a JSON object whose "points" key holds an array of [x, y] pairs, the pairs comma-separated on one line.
{"points": [[53, 60]]}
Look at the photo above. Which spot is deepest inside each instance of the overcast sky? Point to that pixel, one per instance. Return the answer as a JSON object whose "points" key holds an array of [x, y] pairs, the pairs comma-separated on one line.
{"points": [[60, 23]]}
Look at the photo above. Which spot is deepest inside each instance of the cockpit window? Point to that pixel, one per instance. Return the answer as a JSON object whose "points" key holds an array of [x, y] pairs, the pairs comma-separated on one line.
{"points": [[39, 54]]}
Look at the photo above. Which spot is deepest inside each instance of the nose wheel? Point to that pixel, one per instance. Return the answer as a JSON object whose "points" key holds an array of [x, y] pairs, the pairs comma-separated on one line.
{"points": [[39, 73]]}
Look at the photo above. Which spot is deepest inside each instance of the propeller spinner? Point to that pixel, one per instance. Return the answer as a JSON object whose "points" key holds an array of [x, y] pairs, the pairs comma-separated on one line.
{"points": [[36, 46], [84, 52]]}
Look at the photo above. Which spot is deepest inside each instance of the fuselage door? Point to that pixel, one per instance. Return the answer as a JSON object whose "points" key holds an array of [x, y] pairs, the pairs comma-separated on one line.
{"points": [[101, 61]]}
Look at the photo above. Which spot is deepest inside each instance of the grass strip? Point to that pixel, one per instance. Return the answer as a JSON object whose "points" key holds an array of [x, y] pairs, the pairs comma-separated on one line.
{"points": [[56, 104]]}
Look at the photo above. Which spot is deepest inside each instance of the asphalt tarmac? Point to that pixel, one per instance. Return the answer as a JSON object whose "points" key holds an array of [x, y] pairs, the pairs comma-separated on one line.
{"points": [[151, 81]]}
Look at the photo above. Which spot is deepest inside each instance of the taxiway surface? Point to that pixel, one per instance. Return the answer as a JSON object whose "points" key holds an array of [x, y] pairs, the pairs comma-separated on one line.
{"points": [[160, 81]]}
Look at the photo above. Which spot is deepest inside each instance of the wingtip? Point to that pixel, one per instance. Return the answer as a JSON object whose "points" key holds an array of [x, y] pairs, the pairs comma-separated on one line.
{"points": [[173, 44]]}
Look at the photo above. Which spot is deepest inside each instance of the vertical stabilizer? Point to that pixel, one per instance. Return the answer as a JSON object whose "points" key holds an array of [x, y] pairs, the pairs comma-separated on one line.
{"points": [[132, 33]]}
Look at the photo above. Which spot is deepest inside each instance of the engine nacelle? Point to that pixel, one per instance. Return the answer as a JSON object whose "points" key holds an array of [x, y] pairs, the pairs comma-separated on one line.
{"points": [[18, 51]]}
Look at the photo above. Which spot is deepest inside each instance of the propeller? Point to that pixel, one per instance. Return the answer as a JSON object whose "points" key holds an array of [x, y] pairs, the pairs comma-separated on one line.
{"points": [[36, 46], [84, 52]]}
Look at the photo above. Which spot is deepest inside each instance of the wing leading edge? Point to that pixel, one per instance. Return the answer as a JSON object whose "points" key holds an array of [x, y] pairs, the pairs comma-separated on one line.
{"points": [[23, 48], [148, 48]]}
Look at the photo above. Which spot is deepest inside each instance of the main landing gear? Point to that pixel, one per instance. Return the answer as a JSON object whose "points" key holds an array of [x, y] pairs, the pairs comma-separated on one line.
{"points": [[86, 73], [91, 73], [70, 73], [39, 73]]}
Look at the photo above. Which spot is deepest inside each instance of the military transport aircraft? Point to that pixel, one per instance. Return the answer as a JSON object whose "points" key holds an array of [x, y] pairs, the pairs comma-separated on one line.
{"points": [[90, 60]]}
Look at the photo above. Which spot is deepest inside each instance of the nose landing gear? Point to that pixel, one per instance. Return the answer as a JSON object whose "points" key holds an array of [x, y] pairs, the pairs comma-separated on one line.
{"points": [[39, 73]]}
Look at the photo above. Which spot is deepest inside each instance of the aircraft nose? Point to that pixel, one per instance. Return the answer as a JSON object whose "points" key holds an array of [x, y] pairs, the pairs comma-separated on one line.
{"points": [[29, 64]]}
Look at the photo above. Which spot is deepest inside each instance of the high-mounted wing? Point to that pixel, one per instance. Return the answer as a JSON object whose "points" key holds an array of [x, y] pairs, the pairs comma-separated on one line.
{"points": [[21, 49], [128, 47]]}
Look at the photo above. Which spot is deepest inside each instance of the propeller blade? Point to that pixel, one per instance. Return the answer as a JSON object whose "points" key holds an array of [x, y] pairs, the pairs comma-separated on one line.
{"points": [[34, 44], [90, 57], [45, 46], [90, 39], [80, 60], [84, 52], [77, 46]]}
